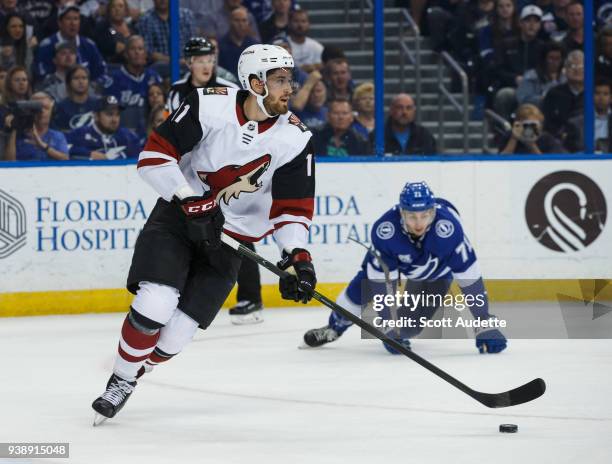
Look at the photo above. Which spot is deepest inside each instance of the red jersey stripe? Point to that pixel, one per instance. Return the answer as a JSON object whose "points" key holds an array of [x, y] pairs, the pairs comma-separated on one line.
{"points": [[151, 162], [295, 206], [156, 142]]}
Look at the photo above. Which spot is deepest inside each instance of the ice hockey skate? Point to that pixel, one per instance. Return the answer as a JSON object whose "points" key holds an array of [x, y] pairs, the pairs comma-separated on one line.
{"points": [[319, 337], [113, 399], [246, 312]]}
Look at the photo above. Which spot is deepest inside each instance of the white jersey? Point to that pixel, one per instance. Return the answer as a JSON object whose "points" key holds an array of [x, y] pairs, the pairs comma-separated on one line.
{"points": [[261, 173]]}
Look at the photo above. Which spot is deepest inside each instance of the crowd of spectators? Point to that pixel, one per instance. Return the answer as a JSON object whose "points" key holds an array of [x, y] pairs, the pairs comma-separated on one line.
{"points": [[523, 55], [94, 74]]}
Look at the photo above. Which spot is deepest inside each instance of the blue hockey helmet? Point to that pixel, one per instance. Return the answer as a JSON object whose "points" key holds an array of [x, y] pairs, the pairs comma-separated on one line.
{"points": [[416, 196]]}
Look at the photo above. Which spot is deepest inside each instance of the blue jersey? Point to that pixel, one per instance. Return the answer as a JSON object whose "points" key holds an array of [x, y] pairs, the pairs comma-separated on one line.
{"points": [[87, 54], [131, 93], [69, 115], [131, 90], [443, 252], [122, 144]]}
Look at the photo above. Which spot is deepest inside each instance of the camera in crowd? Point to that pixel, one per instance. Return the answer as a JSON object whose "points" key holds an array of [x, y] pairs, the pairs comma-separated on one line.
{"points": [[24, 112], [531, 130]]}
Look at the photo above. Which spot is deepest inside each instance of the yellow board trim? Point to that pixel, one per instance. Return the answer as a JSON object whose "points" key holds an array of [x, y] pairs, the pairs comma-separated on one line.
{"points": [[118, 300]]}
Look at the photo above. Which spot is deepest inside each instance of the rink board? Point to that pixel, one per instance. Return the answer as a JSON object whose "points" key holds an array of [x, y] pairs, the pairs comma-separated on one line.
{"points": [[67, 233]]}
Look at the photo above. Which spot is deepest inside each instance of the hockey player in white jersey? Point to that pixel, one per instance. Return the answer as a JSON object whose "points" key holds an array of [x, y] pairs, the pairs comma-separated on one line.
{"points": [[226, 160]]}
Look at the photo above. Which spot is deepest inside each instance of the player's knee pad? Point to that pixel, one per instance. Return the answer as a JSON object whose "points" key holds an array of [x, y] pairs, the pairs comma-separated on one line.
{"points": [[177, 333], [347, 303], [142, 323], [156, 302]]}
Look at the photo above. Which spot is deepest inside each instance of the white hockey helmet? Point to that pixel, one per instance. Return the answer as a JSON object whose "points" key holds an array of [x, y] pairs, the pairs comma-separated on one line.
{"points": [[258, 60]]}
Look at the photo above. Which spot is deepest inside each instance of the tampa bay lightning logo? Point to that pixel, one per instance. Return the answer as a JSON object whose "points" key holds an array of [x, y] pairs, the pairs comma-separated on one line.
{"points": [[444, 228], [385, 230], [80, 120]]}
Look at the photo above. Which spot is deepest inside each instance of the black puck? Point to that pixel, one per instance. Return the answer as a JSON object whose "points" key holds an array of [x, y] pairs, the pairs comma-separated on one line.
{"points": [[508, 428]]}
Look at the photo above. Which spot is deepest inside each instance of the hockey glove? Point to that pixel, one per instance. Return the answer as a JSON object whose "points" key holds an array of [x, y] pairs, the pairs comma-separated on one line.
{"points": [[204, 219], [299, 285], [490, 340]]}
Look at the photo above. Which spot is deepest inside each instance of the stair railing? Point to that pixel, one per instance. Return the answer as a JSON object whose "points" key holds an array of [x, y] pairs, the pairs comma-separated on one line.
{"points": [[363, 5], [463, 106], [498, 121], [405, 20]]}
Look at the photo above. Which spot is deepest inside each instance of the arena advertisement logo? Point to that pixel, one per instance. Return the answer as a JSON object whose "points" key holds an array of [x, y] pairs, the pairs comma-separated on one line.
{"points": [[12, 225], [565, 211]]}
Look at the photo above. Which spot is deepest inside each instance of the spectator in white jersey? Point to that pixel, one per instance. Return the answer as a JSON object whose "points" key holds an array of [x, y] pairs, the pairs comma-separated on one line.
{"points": [[201, 60], [306, 51]]}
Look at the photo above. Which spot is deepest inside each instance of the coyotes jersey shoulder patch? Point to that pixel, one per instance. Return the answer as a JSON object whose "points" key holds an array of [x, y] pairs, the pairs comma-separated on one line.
{"points": [[293, 119], [214, 91]]}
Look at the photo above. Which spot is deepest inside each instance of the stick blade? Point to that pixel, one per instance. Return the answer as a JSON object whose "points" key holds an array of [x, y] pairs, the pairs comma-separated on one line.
{"points": [[523, 394]]}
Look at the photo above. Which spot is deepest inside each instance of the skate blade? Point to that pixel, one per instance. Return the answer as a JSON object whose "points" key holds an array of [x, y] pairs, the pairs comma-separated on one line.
{"points": [[247, 319], [304, 346], [99, 419]]}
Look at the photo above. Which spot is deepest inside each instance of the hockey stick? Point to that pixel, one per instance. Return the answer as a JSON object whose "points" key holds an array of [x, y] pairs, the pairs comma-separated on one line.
{"points": [[523, 394], [388, 283]]}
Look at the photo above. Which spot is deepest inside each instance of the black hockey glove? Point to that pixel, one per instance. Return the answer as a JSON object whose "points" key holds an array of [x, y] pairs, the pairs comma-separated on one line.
{"points": [[299, 285], [204, 219]]}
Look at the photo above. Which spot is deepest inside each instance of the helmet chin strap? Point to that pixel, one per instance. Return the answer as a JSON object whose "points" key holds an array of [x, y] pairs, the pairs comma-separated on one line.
{"points": [[260, 100]]}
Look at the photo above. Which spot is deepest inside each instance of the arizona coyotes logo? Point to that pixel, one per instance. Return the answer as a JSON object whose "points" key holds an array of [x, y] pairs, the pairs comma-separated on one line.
{"points": [[293, 119], [230, 181], [215, 90]]}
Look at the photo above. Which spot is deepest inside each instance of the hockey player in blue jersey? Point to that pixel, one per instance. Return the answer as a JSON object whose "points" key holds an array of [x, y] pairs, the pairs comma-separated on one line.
{"points": [[422, 240], [103, 139]]}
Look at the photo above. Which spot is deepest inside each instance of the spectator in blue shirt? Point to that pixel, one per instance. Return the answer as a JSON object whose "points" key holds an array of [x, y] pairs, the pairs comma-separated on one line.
{"points": [[154, 26], [103, 139], [77, 109], [363, 102], [130, 85], [314, 114], [236, 41], [37, 142], [69, 21]]}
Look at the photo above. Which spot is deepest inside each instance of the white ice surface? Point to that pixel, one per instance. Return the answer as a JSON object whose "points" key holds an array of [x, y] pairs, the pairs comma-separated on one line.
{"points": [[246, 394]]}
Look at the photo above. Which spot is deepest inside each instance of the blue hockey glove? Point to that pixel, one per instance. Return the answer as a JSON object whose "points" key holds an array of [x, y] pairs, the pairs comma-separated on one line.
{"points": [[490, 340]]}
